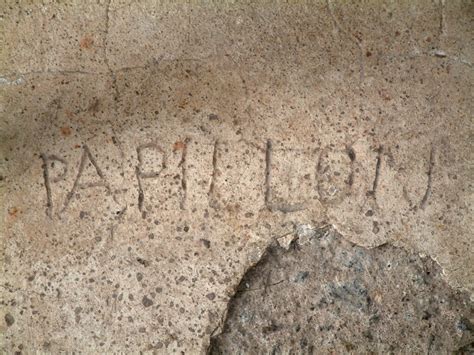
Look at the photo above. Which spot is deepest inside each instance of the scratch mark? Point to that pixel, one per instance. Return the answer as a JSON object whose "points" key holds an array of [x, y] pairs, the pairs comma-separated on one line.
{"points": [[113, 76], [425, 198], [146, 175], [140, 190], [184, 175], [106, 57], [47, 182], [378, 165], [210, 194], [268, 177], [442, 18]]}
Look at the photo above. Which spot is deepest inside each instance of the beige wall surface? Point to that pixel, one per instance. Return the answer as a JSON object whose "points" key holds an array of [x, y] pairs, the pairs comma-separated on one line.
{"points": [[151, 151]]}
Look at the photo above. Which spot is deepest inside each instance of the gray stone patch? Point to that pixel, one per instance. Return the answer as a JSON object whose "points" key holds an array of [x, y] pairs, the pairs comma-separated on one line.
{"points": [[380, 300]]}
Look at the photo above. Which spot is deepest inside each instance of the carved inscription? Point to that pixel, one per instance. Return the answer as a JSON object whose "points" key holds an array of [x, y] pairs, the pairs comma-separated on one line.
{"points": [[427, 194], [282, 204], [47, 160], [143, 155], [243, 175], [86, 158]]}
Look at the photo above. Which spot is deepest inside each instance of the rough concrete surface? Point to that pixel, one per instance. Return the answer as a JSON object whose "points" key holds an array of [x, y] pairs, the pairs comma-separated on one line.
{"points": [[333, 296], [152, 151]]}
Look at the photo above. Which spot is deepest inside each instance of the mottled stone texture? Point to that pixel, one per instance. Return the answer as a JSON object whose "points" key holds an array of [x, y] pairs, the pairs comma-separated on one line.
{"points": [[150, 151], [331, 296]]}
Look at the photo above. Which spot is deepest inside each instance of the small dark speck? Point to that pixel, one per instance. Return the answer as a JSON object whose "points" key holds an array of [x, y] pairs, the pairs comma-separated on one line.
{"points": [[465, 324], [206, 243], [143, 262], [376, 227], [351, 154], [213, 117], [9, 319], [211, 296], [302, 276], [147, 302], [426, 315]]}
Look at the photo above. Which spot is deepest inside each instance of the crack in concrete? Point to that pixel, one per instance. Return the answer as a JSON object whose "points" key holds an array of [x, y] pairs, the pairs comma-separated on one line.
{"points": [[442, 18], [18, 81], [106, 57]]}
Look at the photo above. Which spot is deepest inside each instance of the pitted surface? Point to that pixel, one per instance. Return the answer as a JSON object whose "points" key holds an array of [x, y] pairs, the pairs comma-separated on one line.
{"points": [[329, 295], [150, 153]]}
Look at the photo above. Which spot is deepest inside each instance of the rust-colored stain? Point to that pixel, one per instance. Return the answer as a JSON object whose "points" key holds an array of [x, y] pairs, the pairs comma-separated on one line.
{"points": [[179, 146], [86, 42], [66, 131], [69, 114], [12, 211]]}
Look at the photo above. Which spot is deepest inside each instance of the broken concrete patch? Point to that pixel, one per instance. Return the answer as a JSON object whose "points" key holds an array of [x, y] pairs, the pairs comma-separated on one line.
{"points": [[331, 295]]}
